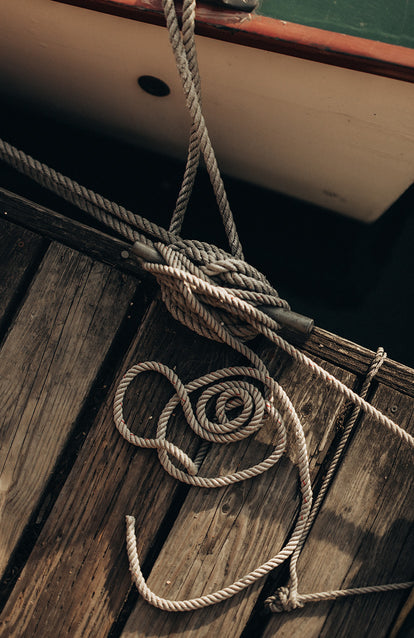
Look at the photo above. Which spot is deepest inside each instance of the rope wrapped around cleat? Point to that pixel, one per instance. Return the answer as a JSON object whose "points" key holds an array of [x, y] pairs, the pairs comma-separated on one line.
{"points": [[219, 296]]}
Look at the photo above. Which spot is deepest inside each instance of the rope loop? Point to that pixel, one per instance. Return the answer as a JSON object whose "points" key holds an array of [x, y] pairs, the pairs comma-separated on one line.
{"points": [[240, 409], [217, 295], [201, 284]]}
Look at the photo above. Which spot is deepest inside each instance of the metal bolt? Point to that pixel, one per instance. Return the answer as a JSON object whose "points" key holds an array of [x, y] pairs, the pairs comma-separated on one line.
{"points": [[124, 254]]}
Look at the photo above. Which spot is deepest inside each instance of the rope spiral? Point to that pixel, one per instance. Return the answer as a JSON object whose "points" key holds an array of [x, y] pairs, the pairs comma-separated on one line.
{"points": [[217, 295], [235, 394]]}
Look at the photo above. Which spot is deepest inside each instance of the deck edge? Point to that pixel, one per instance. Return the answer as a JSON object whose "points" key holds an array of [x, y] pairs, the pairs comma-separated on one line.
{"points": [[278, 36], [108, 249]]}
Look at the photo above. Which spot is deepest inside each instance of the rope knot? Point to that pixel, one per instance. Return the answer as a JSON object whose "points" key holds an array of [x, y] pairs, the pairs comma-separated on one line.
{"points": [[212, 292], [282, 600]]}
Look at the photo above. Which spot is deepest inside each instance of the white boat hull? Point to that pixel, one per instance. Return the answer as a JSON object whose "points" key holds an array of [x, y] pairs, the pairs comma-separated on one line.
{"points": [[336, 137]]}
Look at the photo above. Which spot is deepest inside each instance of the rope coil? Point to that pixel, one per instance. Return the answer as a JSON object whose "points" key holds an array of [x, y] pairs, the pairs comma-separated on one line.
{"points": [[215, 283], [218, 295]]}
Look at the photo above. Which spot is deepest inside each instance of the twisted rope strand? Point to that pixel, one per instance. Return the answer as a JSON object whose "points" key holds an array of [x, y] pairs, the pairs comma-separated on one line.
{"points": [[194, 107], [191, 286], [287, 598], [193, 158], [282, 600], [215, 295], [105, 211]]}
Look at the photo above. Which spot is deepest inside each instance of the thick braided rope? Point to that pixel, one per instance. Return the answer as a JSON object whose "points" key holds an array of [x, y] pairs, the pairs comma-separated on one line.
{"points": [[193, 158], [192, 288], [194, 107]]}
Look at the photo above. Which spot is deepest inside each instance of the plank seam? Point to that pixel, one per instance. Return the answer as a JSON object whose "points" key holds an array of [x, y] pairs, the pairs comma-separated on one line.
{"points": [[95, 399], [22, 291], [259, 619]]}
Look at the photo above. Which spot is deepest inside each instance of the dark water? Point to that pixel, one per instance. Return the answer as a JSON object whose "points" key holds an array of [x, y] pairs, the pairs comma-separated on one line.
{"points": [[356, 280]]}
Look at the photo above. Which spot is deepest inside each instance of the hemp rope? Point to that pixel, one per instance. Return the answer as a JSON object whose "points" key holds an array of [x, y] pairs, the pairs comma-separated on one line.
{"points": [[287, 598], [216, 295]]}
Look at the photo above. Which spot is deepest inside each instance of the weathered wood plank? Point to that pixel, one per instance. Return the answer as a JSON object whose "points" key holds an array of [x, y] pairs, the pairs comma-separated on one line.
{"points": [[220, 535], [403, 622], [362, 536], [353, 357], [49, 361], [20, 251], [82, 237], [77, 576], [323, 344]]}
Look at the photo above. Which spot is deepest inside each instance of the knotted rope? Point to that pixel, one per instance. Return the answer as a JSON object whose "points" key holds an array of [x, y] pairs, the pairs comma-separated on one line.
{"points": [[195, 298], [288, 598], [282, 600], [218, 295]]}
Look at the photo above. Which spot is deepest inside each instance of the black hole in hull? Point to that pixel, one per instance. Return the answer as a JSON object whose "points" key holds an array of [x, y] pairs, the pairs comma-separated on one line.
{"points": [[153, 85]]}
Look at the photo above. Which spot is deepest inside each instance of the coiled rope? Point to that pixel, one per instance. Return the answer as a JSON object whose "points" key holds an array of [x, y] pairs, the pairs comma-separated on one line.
{"points": [[218, 295]]}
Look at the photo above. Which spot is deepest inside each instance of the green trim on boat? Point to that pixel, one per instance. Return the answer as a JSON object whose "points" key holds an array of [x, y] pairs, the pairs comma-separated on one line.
{"points": [[391, 22]]}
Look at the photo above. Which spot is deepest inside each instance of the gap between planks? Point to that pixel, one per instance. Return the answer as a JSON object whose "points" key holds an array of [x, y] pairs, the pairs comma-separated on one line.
{"points": [[364, 530], [21, 252], [108, 249], [80, 555], [50, 358]]}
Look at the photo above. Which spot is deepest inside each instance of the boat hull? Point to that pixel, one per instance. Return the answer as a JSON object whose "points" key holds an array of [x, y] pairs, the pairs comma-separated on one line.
{"points": [[340, 138]]}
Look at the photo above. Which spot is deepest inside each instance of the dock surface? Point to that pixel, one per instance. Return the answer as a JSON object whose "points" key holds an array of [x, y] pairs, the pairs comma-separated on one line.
{"points": [[75, 314]]}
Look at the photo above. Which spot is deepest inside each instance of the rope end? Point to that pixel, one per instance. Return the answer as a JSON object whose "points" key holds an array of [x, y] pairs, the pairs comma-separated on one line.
{"points": [[282, 601]]}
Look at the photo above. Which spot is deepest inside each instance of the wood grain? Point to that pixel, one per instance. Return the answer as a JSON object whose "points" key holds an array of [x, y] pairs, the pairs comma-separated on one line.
{"points": [[220, 535], [323, 344], [362, 536], [49, 361], [20, 251], [77, 576], [82, 237], [353, 357]]}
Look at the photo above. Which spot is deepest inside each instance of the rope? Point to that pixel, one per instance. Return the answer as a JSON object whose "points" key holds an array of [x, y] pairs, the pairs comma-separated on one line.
{"points": [[217, 295], [194, 107], [193, 157], [283, 602], [198, 302], [372, 371], [287, 598]]}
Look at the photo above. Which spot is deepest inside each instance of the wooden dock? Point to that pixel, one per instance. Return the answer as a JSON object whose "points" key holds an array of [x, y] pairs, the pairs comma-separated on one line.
{"points": [[75, 313]]}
